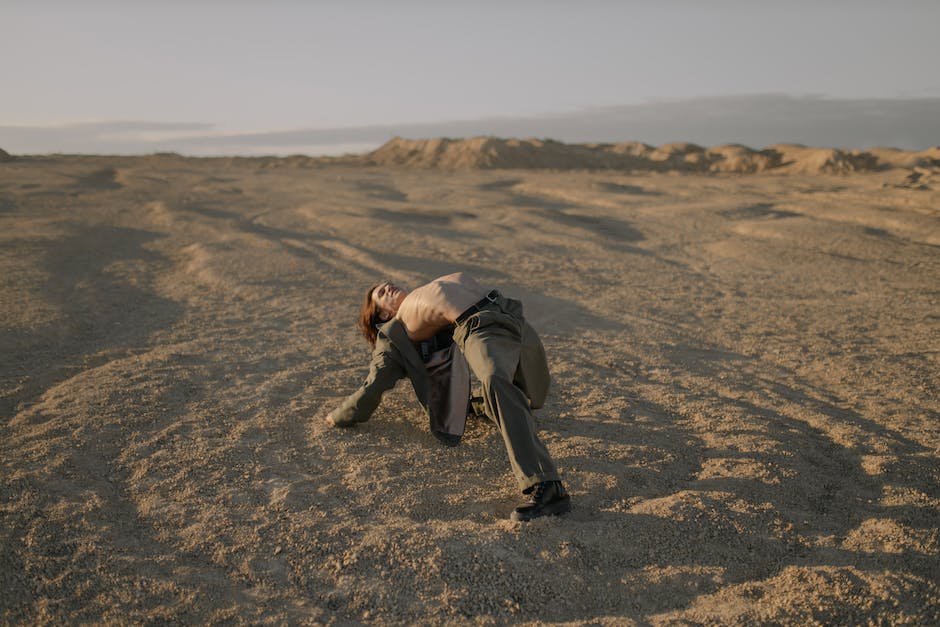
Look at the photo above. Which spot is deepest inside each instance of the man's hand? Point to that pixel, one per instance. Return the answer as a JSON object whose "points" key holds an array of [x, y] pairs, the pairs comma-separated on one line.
{"points": [[329, 419]]}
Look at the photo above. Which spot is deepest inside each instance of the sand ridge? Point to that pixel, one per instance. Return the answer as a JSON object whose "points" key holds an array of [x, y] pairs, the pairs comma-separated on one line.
{"points": [[680, 157], [744, 403]]}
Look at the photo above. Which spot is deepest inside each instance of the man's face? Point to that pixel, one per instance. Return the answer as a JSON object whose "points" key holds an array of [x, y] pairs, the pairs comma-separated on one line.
{"points": [[387, 297]]}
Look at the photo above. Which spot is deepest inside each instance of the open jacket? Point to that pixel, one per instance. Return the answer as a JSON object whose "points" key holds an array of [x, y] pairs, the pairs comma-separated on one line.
{"points": [[442, 385]]}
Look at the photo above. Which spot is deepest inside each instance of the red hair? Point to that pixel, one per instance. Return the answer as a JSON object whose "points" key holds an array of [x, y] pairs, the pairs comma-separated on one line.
{"points": [[369, 317]]}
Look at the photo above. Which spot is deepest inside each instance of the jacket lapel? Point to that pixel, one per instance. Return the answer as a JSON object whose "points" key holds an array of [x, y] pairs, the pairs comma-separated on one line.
{"points": [[395, 331]]}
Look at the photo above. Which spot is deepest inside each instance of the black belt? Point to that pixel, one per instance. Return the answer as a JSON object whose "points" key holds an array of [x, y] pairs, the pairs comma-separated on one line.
{"points": [[441, 339], [492, 297]]}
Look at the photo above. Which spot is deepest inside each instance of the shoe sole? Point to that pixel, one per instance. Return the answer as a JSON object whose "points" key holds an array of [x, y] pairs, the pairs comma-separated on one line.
{"points": [[555, 508]]}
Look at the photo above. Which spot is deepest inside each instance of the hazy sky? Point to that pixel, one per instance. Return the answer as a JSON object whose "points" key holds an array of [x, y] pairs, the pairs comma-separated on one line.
{"points": [[241, 66]]}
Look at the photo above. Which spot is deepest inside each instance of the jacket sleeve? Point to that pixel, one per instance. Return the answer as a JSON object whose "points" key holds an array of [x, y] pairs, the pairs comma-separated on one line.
{"points": [[384, 373]]}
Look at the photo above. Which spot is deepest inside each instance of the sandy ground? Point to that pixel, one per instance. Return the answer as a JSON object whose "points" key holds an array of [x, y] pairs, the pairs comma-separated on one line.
{"points": [[745, 405]]}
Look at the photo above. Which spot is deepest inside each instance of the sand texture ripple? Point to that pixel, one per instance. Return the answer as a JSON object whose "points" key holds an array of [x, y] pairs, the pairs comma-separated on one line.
{"points": [[745, 403]]}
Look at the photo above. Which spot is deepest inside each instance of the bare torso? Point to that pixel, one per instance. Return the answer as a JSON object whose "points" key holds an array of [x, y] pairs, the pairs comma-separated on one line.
{"points": [[433, 306]]}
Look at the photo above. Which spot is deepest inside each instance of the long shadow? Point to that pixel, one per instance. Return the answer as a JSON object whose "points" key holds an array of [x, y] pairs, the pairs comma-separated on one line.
{"points": [[546, 312], [439, 224], [419, 217], [633, 190], [758, 211], [809, 478], [498, 186], [537, 202], [100, 468], [209, 209], [103, 179], [718, 363], [714, 363], [810, 482], [382, 191], [436, 222], [706, 540], [279, 236], [286, 238], [898, 442], [99, 311], [641, 505], [427, 267], [826, 501], [614, 232], [886, 235], [640, 508], [605, 227]]}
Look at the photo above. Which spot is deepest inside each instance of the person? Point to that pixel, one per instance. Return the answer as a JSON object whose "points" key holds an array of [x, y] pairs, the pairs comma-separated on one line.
{"points": [[500, 347], [438, 372]]}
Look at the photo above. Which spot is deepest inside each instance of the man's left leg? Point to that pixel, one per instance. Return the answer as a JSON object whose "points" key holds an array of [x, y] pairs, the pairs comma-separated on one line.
{"points": [[492, 346]]}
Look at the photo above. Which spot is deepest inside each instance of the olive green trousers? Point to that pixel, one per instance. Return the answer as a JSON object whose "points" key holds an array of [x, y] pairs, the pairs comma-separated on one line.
{"points": [[506, 355]]}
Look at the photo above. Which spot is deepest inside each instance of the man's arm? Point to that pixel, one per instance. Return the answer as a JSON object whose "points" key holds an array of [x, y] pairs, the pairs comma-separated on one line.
{"points": [[384, 373]]}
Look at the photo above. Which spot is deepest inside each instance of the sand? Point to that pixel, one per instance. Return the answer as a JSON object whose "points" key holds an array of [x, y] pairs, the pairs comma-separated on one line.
{"points": [[745, 402], [679, 157]]}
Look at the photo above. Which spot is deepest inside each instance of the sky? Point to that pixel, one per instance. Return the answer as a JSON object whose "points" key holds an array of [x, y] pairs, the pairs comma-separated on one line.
{"points": [[145, 75]]}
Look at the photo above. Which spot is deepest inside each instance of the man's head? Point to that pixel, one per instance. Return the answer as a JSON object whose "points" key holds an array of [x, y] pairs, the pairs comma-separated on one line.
{"points": [[381, 303]]}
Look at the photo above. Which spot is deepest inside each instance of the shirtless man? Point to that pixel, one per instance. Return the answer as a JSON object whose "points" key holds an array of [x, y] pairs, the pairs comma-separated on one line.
{"points": [[506, 356]]}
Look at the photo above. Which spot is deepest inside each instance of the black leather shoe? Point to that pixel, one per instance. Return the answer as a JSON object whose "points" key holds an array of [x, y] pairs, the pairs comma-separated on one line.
{"points": [[447, 438], [546, 499]]}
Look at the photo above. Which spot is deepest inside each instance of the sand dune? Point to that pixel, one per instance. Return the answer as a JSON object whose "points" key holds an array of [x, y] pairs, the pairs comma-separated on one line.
{"points": [[488, 153], [679, 157], [745, 400]]}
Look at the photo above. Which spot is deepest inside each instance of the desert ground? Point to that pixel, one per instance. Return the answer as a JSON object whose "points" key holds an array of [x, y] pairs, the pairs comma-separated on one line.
{"points": [[745, 401]]}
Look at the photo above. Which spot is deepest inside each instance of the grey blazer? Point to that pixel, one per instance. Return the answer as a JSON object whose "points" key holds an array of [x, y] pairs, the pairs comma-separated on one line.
{"points": [[442, 385]]}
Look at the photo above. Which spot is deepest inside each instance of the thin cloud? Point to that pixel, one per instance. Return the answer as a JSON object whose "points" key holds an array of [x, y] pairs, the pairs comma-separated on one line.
{"points": [[752, 120]]}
